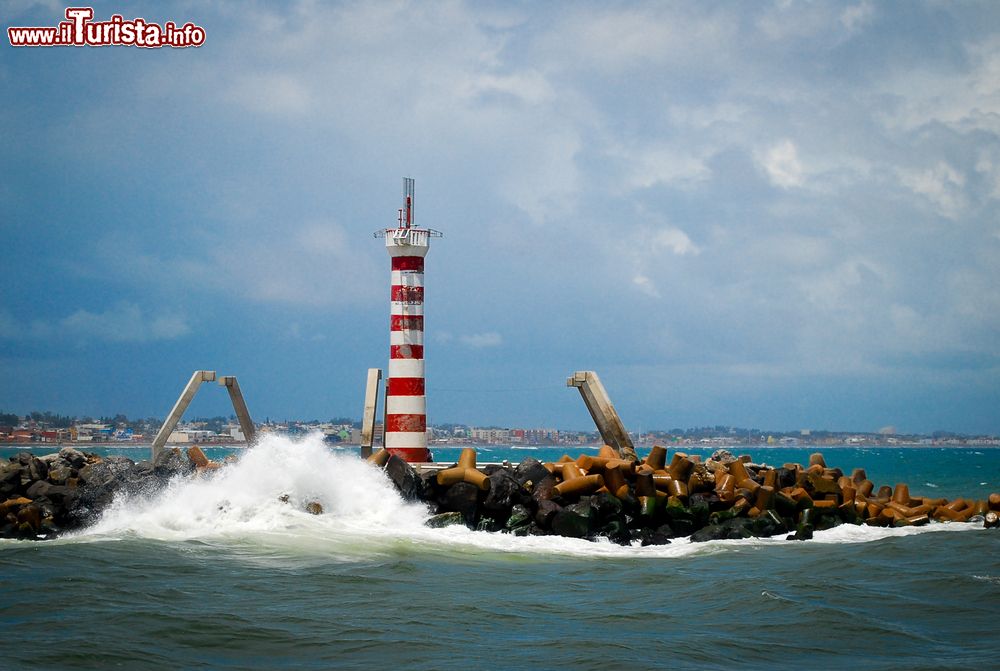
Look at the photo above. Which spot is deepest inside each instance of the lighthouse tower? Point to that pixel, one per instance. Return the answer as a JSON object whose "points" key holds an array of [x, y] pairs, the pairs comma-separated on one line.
{"points": [[405, 402]]}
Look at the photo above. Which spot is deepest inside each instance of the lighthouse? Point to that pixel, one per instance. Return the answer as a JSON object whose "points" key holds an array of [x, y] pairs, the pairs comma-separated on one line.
{"points": [[405, 399]]}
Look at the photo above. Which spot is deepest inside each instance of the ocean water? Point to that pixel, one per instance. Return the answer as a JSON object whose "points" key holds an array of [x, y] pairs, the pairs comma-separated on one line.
{"points": [[220, 574]]}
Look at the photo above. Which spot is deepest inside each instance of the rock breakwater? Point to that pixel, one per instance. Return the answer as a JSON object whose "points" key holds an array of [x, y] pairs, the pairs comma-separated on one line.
{"points": [[656, 499], [42, 497]]}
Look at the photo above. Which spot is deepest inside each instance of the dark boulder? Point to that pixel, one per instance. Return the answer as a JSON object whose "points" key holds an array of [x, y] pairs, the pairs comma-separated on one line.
{"points": [[733, 528], [405, 478], [544, 489], [61, 496], [430, 489], [10, 478], [700, 509], [785, 477], [520, 516], [681, 520], [530, 470], [723, 456], [59, 472], [615, 530], [803, 532], [574, 520], [606, 507], [462, 497], [659, 536], [75, 458], [547, 509], [37, 489], [172, 462], [37, 470], [445, 520], [489, 524], [504, 494], [768, 524]]}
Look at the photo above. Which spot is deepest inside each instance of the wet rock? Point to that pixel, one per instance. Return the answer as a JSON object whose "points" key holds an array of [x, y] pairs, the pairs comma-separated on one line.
{"points": [[445, 520], [503, 495], [616, 531], [547, 509], [429, 486], [59, 472], [544, 489], [659, 536], [463, 498], [606, 507], [574, 520], [699, 508], [530, 470], [785, 477], [10, 478], [37, 470], [37, 489], [736, 527], [172, 462], [314, 508], [12, 505], [75, 458], [488, 524], [520, 516], [680, 519], [768, 524], [405, 478], [803, 532], [31, 516], [723, 456]]}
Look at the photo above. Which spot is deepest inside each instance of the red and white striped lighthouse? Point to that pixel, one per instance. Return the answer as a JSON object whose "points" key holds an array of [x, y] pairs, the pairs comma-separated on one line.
{"points": [[405, 402]]}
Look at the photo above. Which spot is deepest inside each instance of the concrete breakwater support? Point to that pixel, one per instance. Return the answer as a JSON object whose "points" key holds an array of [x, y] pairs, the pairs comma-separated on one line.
{"points": [[656, 499]]}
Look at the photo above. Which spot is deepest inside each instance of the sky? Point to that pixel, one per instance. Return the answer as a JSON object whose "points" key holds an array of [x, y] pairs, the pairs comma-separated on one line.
{"points": [[779, 215]]}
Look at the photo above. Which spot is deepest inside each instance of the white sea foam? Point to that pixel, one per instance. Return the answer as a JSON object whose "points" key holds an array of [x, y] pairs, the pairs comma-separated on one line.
{"points": [[363, 515]]}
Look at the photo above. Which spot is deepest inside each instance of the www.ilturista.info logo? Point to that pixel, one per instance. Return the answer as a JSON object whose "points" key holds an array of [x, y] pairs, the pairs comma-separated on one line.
{"points": [[78, 30]]}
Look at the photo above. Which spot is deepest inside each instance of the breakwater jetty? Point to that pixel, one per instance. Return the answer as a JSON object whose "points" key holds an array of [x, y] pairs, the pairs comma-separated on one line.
{"points": [[646, 501], [654, 500], [44, 496]]}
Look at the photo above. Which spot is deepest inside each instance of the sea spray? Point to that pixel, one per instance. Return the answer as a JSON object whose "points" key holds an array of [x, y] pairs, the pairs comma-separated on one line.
{"points": [[266, 491]]}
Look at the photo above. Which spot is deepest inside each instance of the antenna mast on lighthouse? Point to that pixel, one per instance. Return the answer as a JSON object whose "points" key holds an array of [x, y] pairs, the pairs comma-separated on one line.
{"points": [[405, 399]]}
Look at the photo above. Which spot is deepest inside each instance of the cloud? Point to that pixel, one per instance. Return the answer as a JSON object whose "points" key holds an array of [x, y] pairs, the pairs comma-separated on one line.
{"points": [[481, 340], [781, 162], [125, 322], [942, 185], [857, 16]]}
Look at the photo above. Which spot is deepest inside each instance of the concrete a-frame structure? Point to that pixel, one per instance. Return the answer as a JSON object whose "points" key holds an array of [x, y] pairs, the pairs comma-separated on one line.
{"points": [[199, 376], [601, 409]]}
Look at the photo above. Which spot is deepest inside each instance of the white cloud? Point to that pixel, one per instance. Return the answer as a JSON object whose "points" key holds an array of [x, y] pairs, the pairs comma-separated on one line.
{"points": [[125, 322], [942, 185], [856, 16], [781, 161], [481, 340]]}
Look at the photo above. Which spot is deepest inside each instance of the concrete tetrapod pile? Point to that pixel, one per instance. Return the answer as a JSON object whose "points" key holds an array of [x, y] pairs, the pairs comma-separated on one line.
{"points": [[651, 501]]}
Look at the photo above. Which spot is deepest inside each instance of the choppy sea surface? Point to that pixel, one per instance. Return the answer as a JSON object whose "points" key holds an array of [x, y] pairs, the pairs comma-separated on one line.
{"points": [[219, 574]]}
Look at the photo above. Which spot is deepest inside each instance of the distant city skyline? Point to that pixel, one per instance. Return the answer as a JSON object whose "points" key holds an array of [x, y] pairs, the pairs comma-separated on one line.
{"points": [[755, 214]]}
